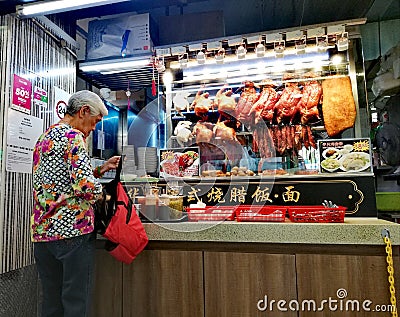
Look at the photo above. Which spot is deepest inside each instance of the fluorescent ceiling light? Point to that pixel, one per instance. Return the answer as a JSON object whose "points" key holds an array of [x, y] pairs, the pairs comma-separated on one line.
{"points": [[49, 7], [114, 65]]}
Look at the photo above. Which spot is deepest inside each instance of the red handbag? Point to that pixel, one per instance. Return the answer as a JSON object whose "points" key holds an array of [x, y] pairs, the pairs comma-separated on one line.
{"points": [[125, 229], [122, 226]]}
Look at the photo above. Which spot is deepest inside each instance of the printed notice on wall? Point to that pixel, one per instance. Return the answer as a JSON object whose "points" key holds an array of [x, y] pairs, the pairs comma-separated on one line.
{"points": [[40, 98], [21, 95], [22, 133]]}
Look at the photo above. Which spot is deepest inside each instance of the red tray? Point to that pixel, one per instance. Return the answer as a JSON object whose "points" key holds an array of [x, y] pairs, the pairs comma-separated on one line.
{"points": [[261, 213], [316, 214], [211, 213]]}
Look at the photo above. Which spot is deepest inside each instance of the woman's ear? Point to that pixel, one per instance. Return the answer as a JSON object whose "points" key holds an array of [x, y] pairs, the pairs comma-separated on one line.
{"points": [[84, 110]]}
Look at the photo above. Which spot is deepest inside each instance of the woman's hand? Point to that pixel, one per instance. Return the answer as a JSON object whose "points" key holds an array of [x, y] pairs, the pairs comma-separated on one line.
{"points": [[111, 164]]}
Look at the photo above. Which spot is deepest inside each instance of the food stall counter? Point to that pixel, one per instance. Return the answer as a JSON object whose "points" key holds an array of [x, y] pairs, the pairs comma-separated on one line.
{"points": [[354, 231]]}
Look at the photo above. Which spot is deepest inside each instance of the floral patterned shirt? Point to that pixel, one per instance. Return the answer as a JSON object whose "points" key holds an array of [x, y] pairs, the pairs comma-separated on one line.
{"points": [[64, 187]]}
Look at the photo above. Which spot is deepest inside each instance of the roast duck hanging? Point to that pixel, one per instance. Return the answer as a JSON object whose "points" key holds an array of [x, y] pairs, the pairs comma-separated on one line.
{"points": [[246, 101], [264, 107], [287, 114]]}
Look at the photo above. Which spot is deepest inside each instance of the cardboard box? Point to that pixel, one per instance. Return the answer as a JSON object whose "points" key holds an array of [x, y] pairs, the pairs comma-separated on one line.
{"points": [[125, 35]]}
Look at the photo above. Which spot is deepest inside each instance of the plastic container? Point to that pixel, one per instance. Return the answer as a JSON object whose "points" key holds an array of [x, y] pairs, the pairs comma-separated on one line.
{"points": [[175, 206], [150, 207], [316, 214], [261, 213], [163, 208], [211, 213]]}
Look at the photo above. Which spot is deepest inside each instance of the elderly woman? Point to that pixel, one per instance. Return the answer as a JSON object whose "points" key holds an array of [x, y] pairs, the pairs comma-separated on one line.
{"points": [[65, 187]]}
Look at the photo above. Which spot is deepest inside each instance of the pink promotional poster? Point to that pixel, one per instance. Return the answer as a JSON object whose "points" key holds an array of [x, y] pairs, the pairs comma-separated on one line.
{"points": [[22, 92]]}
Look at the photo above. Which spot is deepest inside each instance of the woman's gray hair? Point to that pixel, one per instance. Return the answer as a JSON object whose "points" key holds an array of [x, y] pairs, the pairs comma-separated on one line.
{"points": [[86, 98]]}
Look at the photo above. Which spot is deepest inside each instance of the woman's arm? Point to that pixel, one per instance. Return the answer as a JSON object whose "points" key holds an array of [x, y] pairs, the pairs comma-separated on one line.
{"points": [[110, 164]]}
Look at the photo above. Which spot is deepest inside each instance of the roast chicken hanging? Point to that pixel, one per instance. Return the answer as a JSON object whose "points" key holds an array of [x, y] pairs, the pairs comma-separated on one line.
{"points": [[202, 104], [225, 102]]}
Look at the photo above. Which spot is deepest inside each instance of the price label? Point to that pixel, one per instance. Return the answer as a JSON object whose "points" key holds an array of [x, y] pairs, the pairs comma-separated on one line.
{"points": [[275, 37], [316, 32], [335, 29], [216, 45], [195, 47], [178, 50], [294, 35], [235, 41], [163, 51], [254, 39]]}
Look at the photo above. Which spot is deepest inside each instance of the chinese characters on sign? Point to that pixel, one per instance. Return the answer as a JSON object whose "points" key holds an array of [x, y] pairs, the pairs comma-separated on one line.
{"points": [[238, 194]]}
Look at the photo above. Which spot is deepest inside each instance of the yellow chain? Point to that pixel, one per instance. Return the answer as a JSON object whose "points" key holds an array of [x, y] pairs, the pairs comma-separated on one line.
{"points": [[390, 269]]}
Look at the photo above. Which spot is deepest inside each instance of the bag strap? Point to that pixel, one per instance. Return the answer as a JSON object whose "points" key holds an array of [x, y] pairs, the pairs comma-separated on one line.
{"points": [[119, 168], [129, 207]]}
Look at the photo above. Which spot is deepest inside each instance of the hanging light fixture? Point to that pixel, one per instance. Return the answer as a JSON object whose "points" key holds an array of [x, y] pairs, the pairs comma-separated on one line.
{"points": [[322, 43], [117, 65], [343, 42], [260, 50], [183, 60], [279, 48], [301, 45], [159, 64], [201, 58], [241, 52], [219, 57]]}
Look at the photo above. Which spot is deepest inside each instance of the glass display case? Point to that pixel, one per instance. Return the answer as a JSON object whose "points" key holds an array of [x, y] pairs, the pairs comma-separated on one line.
{"points": [[259, 106]]}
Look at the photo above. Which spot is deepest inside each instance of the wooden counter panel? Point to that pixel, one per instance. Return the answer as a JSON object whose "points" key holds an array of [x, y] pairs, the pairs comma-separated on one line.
{"points": [[235, 282], [107, 293], [272, 248], [164, 283], [362, 277]]}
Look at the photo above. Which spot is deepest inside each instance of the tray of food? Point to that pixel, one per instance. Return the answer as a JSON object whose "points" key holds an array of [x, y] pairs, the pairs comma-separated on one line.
{"points": [[261, 213], [211, 213], [316, 213]]}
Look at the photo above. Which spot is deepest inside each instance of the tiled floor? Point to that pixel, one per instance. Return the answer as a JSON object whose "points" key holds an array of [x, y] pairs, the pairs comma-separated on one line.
{"points": [[19, 293]]}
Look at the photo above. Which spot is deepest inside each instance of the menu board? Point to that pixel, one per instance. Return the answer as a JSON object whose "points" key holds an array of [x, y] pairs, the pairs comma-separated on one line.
{"points": [[180, 162], [345, 155]]}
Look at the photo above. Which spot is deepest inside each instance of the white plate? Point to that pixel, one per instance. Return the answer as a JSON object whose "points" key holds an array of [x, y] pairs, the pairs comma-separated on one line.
{"points": [[128, 177], [331, 153], [331, 169], [345, 160]]}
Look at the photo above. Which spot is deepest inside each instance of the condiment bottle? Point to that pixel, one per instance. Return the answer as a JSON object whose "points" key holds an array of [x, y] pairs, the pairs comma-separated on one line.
{"points": [[163, 207]]}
